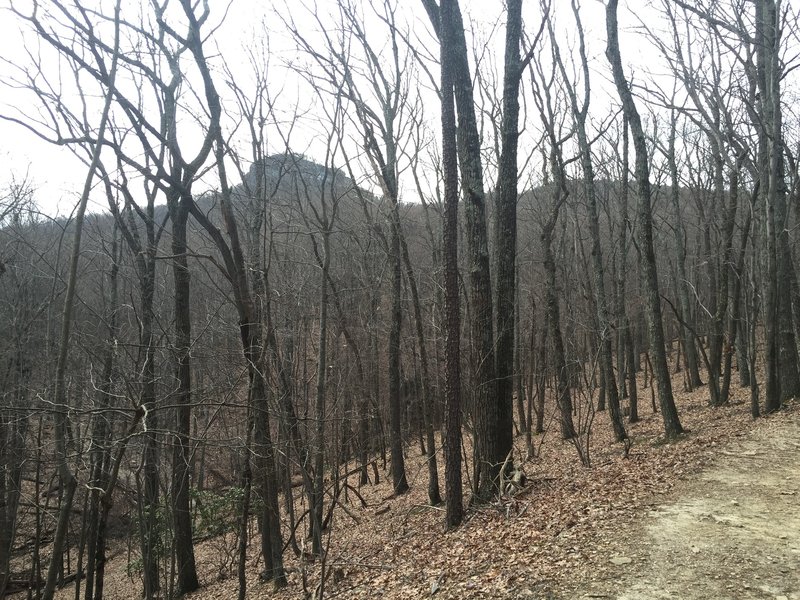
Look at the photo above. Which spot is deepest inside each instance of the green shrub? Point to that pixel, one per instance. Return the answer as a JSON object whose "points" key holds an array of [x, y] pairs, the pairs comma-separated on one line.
{"points": [[216, 512]]}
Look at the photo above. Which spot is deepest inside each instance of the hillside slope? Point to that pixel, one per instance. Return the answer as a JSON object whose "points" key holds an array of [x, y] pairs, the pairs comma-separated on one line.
{"points": [[707, 510]]}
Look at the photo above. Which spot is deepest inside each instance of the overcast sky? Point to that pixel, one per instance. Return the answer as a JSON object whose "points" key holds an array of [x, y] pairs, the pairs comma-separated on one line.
{"points": [[58, 176]]}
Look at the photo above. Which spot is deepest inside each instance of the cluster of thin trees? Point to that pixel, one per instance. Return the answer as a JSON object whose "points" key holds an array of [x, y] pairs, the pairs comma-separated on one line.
{"points": [[237, 358]]}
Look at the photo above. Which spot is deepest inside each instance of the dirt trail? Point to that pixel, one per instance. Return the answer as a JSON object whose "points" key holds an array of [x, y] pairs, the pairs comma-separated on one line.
{"points": [[732, 532]]}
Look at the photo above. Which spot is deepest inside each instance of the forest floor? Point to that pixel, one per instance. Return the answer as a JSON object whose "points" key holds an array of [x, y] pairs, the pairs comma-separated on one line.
{"points": [[733, 531], [713, 514]]}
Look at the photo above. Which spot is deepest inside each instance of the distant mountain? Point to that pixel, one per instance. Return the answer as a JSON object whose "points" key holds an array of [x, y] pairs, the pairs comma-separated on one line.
{"points": [[289, 173]]}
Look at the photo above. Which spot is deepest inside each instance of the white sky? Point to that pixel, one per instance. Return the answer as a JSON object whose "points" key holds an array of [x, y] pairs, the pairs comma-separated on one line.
{"points": [[58, 176]]}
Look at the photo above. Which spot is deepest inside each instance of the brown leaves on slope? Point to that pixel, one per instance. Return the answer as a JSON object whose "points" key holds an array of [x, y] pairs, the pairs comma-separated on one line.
{"points": [[562, 529]]}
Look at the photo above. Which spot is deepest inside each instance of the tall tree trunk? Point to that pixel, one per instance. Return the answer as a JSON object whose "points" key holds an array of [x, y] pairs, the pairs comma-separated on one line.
{"points": [[541, 375], [727, 268], [99, 453], [580, 113], [633, 394], [434, 496], [399, 482], [518, 362], [734, 322], [452, 310], [60, 414], [752, 309], [563, 395], [319, 403], [788, 357], [487, 453], [181, 453], [682, 288], [781, 360], [623, 323], [669, 412], [244, 511], [505, 232], [150, 452], [552, 308], [250, 324], [13, 456]]}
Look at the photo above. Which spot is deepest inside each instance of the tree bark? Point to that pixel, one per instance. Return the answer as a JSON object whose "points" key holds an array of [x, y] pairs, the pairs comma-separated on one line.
{"points": [[669, 412], [452, 310], [487, 453], [770, 157], [563, 395], [400, 484], [186, 569], [505, 232]]}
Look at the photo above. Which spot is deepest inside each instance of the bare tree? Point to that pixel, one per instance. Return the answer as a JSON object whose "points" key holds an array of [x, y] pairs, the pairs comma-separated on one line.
{"points": [[782, 374], [580, 111], [60, 403], [452, 309], [669, 412], [249, 317], [486, 412], [547, 97], [15, 368], [505, 231]]}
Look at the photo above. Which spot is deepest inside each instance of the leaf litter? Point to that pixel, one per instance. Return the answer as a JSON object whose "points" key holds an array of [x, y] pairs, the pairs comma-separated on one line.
{"points": [[570, 530]]}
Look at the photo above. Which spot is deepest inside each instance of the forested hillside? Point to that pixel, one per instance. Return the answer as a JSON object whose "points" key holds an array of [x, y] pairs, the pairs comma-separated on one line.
{"points": [[372, 301]]}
